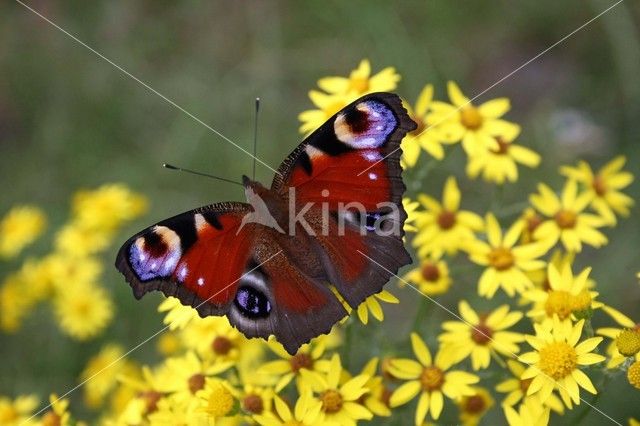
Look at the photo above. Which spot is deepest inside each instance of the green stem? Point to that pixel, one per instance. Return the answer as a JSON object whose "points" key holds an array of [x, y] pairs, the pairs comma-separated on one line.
{"points": [[580, 417], [420, 314]]}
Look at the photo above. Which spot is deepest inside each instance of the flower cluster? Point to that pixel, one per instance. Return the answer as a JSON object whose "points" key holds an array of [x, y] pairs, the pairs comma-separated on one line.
{"points": [[69, 275], [517, 347]]}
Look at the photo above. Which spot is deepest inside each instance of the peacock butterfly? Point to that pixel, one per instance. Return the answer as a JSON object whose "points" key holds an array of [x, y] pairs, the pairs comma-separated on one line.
{"points": [[332, 217]]}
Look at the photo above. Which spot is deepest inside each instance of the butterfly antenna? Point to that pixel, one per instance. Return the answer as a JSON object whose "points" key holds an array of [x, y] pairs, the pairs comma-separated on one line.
{"points": [[255, 136], [193, 172]]}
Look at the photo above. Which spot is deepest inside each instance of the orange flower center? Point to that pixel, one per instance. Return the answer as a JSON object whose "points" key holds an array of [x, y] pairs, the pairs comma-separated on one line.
{"points": [[524, 385], [151, 399], [599, 186], [253, 404], [470, 117], [558, 360], [430, 272], [474, 404], [446, 219], [432, 378], [299, 361], [481, 333], [331, 401], [533, 222], [51, 419], [221, 345], [501, 258], [196, 382], [503, 146], [565, 219], [421, 126]]}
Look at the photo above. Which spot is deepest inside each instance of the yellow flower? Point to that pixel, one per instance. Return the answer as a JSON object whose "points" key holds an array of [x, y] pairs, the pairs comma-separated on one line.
{"points": [[443, 227], [101, 373], [168, 343], [59, 413], [567, 296], [339, 401], [604, 187], [425, 137], [615, 357], [254, 400], [18, 411], [107, 206], [411, 208], [342, 90], [376, 400], [372, 304], [500, 164], [19, 228], [171, 411], [567, 221], [633, 374], [83, 310], [555, 361], [530, 413], [145, 386], [481, 336], [307, 412], [474, 407], [505, 263], [431, 277], [216, 399], [308, 357], [184, 376], [516, 389], [361, 81], [429, 378], [13, 305], [327, 106], [64, 270], [477, 127], [530, 221], [178, 315], [213, 338], [77, 240]]}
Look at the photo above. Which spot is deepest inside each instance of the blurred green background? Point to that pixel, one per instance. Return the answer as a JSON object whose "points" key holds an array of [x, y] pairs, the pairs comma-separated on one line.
{"points": [[69, 120]]}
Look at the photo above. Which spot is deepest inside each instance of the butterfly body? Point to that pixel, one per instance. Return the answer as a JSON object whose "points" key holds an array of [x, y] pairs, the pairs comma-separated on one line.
{"points": [[268, 264]]}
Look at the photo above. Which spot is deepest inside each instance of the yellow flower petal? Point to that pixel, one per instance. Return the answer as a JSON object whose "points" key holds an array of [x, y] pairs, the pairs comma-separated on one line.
{"points": [[422, 409], [405, 393], [437, 402], [420, 349]]}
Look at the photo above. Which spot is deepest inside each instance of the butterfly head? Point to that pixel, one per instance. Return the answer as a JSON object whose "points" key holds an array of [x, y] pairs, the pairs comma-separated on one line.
{"points": [[268, 209]]}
